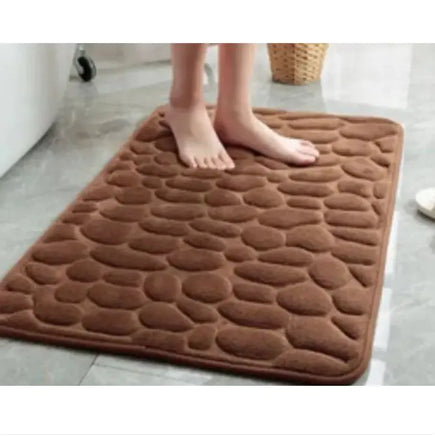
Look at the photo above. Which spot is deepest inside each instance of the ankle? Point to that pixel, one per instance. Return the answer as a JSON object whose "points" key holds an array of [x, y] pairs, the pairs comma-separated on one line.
{"points": [[232, 115], [181, 103]]}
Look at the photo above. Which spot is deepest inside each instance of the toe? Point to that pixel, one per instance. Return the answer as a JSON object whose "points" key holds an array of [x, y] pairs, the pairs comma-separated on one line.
{"points": [[308, 150], [227, 163], [308, 144], [209, 163], [225, 158], [218, 163], [304, 159], [188, 160], [200, 162]]}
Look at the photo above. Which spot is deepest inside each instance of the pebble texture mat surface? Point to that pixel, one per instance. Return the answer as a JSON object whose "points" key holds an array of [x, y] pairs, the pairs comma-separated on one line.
{"points": [[266, 269]]}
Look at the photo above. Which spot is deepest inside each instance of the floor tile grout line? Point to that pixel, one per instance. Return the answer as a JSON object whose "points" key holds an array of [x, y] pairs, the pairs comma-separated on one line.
{"points": [[89, 369]]}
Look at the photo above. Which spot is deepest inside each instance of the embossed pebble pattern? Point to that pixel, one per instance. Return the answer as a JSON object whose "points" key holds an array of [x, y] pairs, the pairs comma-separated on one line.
{"points": [[265, 269]]}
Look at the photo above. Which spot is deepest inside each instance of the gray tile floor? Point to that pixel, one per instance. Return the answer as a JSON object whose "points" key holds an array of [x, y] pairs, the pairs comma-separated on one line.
{"points": [[396, 81]]}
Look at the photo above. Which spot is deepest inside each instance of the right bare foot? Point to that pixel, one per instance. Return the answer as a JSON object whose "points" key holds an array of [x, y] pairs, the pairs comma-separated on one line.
{"points": [[246, 130], [197, 142]]}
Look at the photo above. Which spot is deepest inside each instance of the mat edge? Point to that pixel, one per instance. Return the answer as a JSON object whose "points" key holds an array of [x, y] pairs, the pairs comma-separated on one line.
{"points": [[270, 373]]}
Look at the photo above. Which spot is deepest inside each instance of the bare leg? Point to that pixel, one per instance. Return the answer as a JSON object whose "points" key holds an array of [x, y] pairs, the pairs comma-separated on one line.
{"points": [[235, 122], [198, 144]]}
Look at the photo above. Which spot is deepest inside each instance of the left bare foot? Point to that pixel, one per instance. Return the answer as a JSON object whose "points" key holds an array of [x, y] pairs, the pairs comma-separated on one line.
{"points": [[197, 143], [248, 131]]}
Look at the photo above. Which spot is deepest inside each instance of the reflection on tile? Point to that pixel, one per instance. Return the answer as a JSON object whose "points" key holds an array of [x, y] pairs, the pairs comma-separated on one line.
{"points": [[387, 80], [155, 368], [107, 376], [25, 363], [392, 245], [368, 76], [11, 251], [382, 331], [375, 375], [235, 380], [4, 342]]}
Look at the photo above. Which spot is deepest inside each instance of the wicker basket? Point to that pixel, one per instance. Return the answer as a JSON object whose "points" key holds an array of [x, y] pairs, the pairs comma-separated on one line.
{"points": [[296, 63]]}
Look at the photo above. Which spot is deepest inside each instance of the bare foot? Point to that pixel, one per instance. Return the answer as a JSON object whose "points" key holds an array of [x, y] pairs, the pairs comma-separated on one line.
{"points": [[197, 142], [248, 131]]}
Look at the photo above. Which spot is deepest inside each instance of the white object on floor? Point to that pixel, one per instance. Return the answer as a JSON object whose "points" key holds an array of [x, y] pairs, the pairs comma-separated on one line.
{"points": [[426, 202], [33, 80]]}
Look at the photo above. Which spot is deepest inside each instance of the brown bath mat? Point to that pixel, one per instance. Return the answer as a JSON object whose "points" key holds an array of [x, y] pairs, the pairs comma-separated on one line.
{"points": [[267, 269]]}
